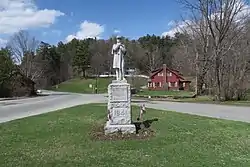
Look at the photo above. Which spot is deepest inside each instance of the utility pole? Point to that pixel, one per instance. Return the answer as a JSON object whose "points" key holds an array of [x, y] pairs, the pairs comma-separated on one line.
{"points": [[96, 77]]}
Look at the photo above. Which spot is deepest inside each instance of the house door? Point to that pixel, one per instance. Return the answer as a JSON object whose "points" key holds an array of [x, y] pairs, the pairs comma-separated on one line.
{"points": [[181, 86]]}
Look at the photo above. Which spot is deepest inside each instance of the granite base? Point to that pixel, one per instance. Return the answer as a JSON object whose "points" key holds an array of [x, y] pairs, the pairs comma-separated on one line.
{"points": [[124, 129]]}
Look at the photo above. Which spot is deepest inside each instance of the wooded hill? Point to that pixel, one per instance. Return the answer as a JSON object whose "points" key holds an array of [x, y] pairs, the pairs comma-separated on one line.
{"points": [[212, 47]]}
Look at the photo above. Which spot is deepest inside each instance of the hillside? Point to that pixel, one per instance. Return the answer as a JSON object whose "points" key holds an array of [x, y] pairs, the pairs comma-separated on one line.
{"points": [[78, 85]]}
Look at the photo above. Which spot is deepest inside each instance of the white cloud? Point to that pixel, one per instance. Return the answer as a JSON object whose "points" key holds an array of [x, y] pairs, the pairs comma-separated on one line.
{"points": [[175, 27], [171, 23], [18, 15], [87, 30], [116, 31], [3, 42], [181, 25]]}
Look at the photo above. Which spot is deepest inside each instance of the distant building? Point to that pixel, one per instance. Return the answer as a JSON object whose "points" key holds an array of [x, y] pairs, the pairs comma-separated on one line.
{"points": [[167, 79]]}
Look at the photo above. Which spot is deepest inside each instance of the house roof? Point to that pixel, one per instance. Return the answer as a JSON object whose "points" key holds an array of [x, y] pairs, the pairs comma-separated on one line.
{"points": [[176, 72]]}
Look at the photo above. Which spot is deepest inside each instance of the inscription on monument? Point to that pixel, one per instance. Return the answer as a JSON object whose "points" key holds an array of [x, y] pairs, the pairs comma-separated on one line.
{"points": [[119, 112], [119, 105], [119, 94]]}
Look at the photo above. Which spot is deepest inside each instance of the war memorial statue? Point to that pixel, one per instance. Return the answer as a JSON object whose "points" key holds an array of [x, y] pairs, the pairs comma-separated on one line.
{"points": [[119, 95]]}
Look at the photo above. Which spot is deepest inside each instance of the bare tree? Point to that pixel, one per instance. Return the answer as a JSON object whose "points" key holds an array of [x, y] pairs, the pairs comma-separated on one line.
{"points": [[235, 68], [151, 58], [194, 45], [183, 55], [23, 48], [219, 26]]}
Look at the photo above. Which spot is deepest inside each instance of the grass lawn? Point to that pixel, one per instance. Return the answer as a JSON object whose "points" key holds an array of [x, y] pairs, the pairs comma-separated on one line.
{"points": [[82, 85], [78, 85], [63, 139], [165, 93]]}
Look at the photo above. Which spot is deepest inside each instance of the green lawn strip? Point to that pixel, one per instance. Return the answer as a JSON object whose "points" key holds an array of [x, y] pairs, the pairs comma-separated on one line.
{"points": [[82, 85], [165, 94], [78, 85], [62, 138]]}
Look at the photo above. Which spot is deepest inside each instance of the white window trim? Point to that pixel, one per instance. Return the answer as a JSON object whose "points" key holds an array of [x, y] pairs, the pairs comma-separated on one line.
{"points": [[160, 74], [169, 74]]}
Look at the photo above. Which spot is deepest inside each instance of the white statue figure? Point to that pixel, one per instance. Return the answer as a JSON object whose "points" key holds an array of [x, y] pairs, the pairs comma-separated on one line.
{"points": [[119, 51]]}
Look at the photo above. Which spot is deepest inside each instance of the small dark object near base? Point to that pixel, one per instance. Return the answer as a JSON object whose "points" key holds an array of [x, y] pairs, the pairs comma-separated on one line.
{"points": [[144, 125], [133, 91]]}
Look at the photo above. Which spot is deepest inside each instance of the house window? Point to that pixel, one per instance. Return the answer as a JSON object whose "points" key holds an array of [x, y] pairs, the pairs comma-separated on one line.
{"points": [[160, 74], [160, 84], [149, 84], [184, 84], [172, 84], [157, 84], [153, 85], [169, 74], [176, 84], [169, 84]]}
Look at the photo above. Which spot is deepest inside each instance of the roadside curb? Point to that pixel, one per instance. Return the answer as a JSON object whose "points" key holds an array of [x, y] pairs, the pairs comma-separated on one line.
{"points": [[11, 98], [21, 98]]}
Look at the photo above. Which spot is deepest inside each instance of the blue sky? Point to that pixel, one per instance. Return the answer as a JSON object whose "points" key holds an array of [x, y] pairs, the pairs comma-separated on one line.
{"points": [[134, 18], [58, 20], [62, 20]]}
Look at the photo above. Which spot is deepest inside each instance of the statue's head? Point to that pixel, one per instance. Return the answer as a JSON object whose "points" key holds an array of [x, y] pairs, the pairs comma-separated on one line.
{"points": [[118, 39]]}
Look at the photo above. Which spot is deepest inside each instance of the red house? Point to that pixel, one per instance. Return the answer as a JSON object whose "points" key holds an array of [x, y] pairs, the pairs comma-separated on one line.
{"points": [[167, 79]]}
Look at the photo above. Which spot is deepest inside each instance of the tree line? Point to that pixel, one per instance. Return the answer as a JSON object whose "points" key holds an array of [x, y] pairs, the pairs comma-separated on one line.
{"points": [[213, 47], [49, 65]]}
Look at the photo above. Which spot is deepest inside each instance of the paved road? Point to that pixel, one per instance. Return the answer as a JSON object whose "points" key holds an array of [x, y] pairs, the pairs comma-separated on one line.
{"points": [[15, 109], [235, 113]]}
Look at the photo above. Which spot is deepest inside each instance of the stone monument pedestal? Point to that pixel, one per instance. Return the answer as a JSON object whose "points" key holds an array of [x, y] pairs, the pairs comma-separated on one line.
{"points": [[119, 108]]}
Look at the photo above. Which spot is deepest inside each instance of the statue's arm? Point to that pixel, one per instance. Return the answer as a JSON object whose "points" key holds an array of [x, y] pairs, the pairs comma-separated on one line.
{"points": [[124, 50], [115, 48], [112, 51]]}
